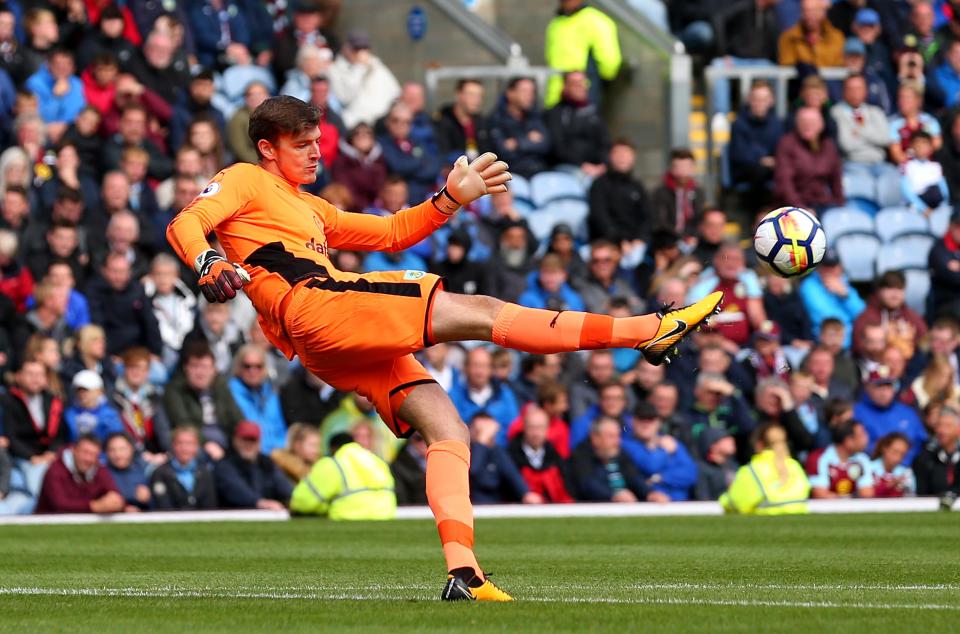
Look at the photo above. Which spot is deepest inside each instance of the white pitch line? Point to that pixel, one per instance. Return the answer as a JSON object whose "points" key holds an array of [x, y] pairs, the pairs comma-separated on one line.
{"points": [[280, 594]]}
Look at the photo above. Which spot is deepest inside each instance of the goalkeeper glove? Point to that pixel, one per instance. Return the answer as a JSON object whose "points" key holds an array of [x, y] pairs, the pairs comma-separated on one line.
{"points": [[219, 280], [467, 182]]}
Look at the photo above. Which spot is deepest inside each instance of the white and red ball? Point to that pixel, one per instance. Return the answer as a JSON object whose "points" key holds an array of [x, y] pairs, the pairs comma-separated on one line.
{"points": [[790, 240]]}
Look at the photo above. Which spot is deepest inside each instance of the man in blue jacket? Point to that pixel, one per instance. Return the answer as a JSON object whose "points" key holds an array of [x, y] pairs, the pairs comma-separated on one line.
{"points": [[826, 293], [753, 143], [612, 403], [479, 391], [601, 472], [493, 476], [247, 479], [258, 401], [91, 412], [59, 92], [216, 24], [881, 414], [664, 462], [517, 129], [548, 288], [406, 157]]}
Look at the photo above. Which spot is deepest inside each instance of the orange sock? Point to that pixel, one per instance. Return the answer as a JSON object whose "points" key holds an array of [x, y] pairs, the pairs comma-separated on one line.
{"points": [[448, 493], [547, 331]]}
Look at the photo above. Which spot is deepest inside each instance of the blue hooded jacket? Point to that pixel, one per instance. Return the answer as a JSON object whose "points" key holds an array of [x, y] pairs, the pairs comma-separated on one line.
{"points": [[262, 406], [898, 417], [535, 296], [677, 471], [100, 421], [52, 108]]}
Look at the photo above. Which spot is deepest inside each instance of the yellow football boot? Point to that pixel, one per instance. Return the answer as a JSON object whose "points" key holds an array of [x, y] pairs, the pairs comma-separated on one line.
{"points": [[674, 326]]}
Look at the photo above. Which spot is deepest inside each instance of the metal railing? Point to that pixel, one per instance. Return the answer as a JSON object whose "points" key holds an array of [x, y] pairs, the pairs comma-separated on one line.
{"points": [[492, 38], [515, 67], [778, 76], [680, 72]]}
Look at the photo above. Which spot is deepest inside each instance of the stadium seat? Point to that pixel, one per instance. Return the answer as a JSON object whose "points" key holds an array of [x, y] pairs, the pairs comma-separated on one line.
{"points": [[521, 189], [524, 206], [893, 222], [842, 221], [918, 289], [541, 223], [572, 212], [858, 254], [906, 252], [550, 186], [939, 220]]}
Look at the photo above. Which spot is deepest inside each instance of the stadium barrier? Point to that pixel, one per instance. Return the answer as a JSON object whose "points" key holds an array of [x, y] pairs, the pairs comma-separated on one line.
{"points": [[493, 511], [160, 517]]}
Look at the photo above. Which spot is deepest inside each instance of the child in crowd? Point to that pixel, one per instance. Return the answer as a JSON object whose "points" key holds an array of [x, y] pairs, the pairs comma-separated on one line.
{"points": [[891, 478], [922, 183]]}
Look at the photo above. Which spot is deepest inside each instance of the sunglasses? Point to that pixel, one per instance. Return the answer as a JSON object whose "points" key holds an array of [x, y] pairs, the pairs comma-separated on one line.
{"points": [[252, 366]]}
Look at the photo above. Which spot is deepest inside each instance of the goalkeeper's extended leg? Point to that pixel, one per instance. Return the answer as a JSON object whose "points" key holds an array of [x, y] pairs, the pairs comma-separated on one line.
{"points": [[656, 335], [429, 410]]}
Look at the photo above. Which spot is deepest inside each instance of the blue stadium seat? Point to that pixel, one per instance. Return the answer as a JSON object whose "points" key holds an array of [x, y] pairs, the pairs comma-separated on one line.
{"points": [[541, 223], [521, 189], [572, 212], [939, 220], [842, 221], [905, 252], [918, 289], [550, 186], [524, 206], [858, 254], [893, 222]]}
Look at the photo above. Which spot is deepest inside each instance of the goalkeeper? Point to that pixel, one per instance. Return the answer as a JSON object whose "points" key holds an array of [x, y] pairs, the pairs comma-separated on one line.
{"points": [[359, 332]]}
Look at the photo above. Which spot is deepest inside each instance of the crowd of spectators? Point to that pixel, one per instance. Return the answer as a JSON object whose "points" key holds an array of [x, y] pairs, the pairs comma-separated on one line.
{"points": [[124, 391]]}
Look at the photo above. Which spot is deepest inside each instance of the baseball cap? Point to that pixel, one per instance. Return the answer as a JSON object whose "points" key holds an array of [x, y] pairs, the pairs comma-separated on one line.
{"points": [[867, 17], [358, 39], [708, 437], [880, 375], [247, 430], [853, 46], [768, 330], [830, 257], [87, 380], [645, 411]]}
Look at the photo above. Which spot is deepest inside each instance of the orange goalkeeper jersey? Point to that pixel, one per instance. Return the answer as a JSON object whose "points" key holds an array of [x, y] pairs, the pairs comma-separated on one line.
{"points": [[282, 235]]}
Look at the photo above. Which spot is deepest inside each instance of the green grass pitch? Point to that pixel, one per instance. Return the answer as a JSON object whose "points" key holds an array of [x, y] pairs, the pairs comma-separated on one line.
{"points": [[824, 573]]}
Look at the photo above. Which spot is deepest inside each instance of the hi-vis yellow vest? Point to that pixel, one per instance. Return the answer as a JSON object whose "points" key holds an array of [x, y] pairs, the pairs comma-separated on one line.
{"points": [[757, 490], [572, 39], [353, 484]]}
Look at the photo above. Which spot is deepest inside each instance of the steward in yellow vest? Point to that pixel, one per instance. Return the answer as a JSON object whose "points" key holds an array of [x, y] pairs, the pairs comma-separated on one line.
{"points": [[352, 484], [773, 483], [572, 39]]}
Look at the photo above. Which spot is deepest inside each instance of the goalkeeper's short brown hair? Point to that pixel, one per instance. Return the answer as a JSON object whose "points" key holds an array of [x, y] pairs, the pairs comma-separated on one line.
{"points": [[281, 115]]}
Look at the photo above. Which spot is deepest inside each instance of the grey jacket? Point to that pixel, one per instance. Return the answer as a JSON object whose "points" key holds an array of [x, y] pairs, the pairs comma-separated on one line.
{"points": [[864, 142]]}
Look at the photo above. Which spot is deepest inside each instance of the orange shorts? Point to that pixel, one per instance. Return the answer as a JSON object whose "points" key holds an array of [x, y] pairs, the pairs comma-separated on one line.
{"points": [[359, 332]]}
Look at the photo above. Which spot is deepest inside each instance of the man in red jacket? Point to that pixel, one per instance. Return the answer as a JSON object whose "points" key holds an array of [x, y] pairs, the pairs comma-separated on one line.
{"points": [[76, 483], [537, 459]]}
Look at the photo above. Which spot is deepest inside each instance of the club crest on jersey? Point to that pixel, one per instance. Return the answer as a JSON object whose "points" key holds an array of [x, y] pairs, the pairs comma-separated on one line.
{"points": [[210, 189], [413, 275], [319, 247]]}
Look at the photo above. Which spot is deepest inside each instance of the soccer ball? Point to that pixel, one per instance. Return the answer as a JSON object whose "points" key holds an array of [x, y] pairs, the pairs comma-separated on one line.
{"points": [[790, 240]]}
